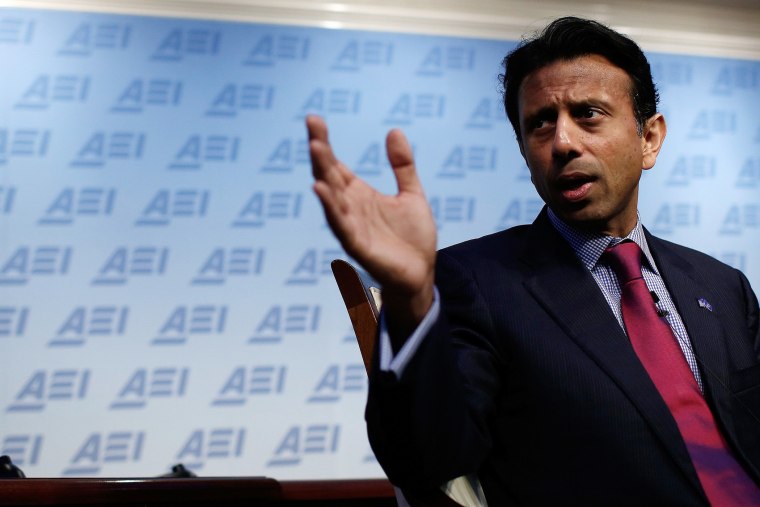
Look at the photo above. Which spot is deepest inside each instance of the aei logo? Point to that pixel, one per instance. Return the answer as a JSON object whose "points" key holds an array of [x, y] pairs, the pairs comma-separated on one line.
{"points": [[27, 262], [142, 93], [313, 265], [737, 77], [673, 215], [215, 443], [282, 320], [72, 203], [519, 211], [100, 449], [288, 154], [300, 442], [146, 384], [85, 322], [486, 113], [56, 385], [13, 320], [88, 38], [103, 147], [223, 263], [16, 30], [452, 209], [260, 208], [740, 217], [48, 89], [356, 55], [126, 262], [462, 160], [183, 42], [24, 449], [749, 174], [233, 99], [690, 168], [271, 49], [186, 321], [324, 101], [409, 108], [244, 383], [709, 123], [338, 380], [167, 205], [442, 59], [199, 149], [31, 143]]}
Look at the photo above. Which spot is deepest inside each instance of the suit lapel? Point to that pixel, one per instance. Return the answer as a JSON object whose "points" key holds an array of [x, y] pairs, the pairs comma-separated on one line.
{"points": [[700, 309], [565, 288], [694, 302]]}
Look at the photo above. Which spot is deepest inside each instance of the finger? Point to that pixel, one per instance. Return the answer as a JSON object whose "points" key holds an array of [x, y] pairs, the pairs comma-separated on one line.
{"points": [[329, 169], [324, 164], [320, 151], [333, 210], [327, 198], [402, 161], [317, 128]]}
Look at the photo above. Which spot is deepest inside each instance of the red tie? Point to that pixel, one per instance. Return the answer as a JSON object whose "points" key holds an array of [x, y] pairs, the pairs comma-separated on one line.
{"points": [[723, 479]]}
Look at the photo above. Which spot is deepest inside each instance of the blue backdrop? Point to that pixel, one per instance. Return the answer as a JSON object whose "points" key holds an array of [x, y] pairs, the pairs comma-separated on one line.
{"points": [[164, 266]]}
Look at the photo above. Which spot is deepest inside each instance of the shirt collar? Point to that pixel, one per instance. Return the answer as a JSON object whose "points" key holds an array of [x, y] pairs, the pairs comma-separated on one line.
{"points": [[589, 246]]}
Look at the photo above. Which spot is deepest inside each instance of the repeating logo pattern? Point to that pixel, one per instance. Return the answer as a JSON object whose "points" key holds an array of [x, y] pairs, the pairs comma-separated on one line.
{"points": [[164, 266]]}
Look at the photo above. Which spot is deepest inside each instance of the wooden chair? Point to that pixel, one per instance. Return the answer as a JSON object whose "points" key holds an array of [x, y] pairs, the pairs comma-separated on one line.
{"points": [[363, 299]]}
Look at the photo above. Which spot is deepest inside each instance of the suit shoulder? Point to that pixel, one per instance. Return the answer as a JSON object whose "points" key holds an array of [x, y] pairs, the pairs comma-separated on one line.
{"points": [[693, 257], [499, 245]]}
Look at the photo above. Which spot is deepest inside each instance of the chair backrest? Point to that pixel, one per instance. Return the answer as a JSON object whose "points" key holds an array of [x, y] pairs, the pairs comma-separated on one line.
{"points": [[362, 296]]}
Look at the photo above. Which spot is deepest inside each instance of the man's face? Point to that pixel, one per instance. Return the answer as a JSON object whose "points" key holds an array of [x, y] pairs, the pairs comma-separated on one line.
{"points": [[579, 138]]}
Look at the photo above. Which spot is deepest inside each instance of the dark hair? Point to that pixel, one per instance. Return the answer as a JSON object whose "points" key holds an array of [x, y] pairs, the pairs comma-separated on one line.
{"points": [[568, 38]]}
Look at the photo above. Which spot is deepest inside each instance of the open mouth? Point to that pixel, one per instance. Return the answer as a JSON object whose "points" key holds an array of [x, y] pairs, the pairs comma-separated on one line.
{"points": [[575, 187]]}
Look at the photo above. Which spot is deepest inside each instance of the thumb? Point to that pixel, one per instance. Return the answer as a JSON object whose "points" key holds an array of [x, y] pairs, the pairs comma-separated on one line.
{"points": [[402, 161]]}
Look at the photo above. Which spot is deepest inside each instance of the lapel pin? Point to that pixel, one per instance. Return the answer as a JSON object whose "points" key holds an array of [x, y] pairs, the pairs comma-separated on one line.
{"points": [[703, 303]]}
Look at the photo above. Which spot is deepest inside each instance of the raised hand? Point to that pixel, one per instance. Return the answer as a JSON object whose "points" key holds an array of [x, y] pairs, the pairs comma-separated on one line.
{"points": [[393, 237]]}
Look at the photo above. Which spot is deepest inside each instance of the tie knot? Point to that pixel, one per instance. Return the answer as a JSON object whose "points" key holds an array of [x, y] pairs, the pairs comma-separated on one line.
{"points": [[625, 260]]}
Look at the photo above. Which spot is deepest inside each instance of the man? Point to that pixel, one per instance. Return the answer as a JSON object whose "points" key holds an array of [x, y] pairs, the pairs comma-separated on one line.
{"points": [[531, 356]]}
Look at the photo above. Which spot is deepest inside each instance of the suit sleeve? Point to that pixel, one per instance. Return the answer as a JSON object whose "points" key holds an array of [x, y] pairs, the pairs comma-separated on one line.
{"points": [[434, 422]]}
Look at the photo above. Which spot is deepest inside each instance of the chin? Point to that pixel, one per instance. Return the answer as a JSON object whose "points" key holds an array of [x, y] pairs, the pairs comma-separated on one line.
{"points": [[583, 218], [576, 212]]}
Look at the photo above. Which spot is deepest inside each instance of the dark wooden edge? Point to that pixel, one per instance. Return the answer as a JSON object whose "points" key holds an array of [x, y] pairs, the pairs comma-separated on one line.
{"points": [[361, 308], [337, 490], [212, 491], [91, 491]]}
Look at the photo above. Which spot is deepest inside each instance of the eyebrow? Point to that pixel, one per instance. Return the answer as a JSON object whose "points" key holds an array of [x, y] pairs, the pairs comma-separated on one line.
{"points": [[551, 111], [543, 112]]}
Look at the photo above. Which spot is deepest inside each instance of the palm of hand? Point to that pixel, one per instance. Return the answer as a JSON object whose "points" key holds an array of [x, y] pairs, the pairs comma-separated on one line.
{"points": [[392, 236]]}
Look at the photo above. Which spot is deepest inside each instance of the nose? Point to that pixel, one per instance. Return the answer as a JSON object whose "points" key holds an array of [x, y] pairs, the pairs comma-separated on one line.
{"points": [[566, 144]]}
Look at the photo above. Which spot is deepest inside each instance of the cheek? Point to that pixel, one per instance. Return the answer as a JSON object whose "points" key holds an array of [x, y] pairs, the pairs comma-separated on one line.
{"points": [[624, 156], [537, 177], [628, 172]]}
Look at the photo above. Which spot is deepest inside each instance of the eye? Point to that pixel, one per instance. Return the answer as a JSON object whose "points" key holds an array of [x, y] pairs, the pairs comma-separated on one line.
{"points": [[541, 121], [589, 113]]}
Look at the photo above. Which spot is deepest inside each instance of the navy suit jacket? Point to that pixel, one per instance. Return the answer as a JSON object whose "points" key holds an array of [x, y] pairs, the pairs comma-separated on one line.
{"points": [[528, 379]]}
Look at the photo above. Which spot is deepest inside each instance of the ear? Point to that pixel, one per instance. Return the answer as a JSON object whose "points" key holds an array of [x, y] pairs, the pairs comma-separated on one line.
{"points": [[652, 139]]}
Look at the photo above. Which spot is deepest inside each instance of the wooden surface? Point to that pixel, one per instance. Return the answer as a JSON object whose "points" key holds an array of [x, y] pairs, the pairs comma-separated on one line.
{"points": [[361, 310], [218, 491]]}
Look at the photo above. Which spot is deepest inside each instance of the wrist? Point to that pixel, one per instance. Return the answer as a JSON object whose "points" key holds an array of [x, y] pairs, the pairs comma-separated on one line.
{"points": [[405, 311]]}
